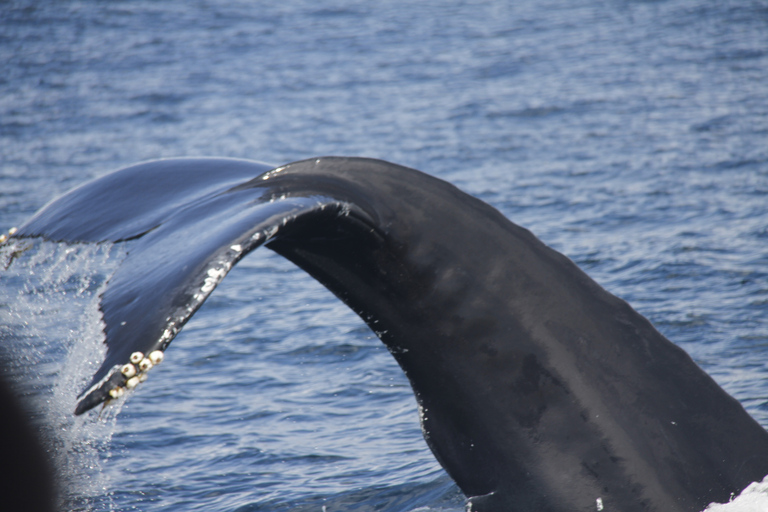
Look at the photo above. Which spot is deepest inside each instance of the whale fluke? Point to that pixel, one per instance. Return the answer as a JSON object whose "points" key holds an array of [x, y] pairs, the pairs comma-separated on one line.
{"points": [[537, 389]]}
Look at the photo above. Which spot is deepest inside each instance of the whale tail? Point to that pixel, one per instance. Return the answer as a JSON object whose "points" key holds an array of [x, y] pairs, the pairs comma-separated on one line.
{"points": [[536, 387]]}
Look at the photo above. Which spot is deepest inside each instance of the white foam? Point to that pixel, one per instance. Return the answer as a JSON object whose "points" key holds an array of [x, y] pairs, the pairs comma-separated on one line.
{"points": [[752, 499], [55, 342]]}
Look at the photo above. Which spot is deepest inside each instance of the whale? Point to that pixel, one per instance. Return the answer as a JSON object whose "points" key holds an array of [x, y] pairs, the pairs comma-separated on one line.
{"points": [[536, 388]]}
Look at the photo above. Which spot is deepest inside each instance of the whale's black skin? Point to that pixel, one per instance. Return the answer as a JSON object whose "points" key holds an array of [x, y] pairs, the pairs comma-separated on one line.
{"points": [[538, 390]]}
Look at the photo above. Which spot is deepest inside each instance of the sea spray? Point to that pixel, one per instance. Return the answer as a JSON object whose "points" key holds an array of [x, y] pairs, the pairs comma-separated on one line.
{"points": [[52, 342], [752, 499]]}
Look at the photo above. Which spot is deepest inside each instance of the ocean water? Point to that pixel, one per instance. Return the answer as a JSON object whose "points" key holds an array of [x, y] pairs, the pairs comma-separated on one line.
{"points": [[630, 135]]}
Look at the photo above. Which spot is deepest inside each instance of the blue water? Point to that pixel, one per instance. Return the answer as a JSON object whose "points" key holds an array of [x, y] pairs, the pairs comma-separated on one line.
{"points": [[630, 135]]}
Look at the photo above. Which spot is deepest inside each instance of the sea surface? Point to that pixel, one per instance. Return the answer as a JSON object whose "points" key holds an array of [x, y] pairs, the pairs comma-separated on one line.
{"points": [[630, 135]]}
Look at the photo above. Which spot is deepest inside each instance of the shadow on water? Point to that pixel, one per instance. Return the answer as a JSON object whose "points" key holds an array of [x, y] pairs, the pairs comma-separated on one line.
{"points": [[438, 496]]}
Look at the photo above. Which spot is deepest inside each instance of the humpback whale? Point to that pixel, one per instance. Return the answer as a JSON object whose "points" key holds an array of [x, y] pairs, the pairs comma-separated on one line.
{"points": [[536, 388]]}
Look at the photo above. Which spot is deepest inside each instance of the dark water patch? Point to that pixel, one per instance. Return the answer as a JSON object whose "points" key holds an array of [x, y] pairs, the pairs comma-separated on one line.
{"points": [[327, 351], [529, 112], [438, 495], [719, 123]]}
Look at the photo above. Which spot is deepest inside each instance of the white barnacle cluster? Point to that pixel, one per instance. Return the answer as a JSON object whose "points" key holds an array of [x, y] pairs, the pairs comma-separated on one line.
{"points": [[270, 232], [213, 277], [422, 415], [135, 372], [276, 198], [5, 237], [272, 173]]}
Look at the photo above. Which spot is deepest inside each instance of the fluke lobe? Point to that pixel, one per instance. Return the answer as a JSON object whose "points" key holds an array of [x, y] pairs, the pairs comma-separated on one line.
{"points": [[537, 389]]}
